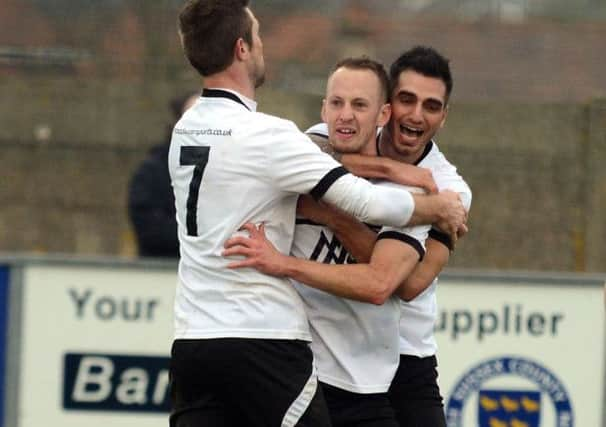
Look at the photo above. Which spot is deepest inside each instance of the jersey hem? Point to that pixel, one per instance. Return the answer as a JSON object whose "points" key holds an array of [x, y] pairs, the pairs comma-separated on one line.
{"points": [[367, 389], [243, 333], [408, 352]]}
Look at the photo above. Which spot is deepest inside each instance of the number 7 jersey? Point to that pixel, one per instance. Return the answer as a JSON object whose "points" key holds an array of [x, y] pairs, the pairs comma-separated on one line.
{"points": [[230, 165]]}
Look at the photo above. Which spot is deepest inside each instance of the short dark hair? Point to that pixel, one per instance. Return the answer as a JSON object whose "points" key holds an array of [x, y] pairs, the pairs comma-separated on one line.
{"points": [[365, 63], [209, 30], [424, 60]]}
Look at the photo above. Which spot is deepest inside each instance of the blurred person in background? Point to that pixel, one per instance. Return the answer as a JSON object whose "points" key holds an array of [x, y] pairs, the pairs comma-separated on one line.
{"points": [[151, 202]]}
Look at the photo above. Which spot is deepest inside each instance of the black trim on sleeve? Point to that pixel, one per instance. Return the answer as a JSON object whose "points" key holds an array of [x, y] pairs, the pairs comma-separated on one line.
{"points": [[441, 237], [318, 134], [329, 179], [405, 238]]}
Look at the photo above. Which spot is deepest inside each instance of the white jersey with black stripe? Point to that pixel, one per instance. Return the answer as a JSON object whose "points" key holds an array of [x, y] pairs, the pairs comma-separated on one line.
{"points": [[230, 165], [355, 344], [419, 315]]}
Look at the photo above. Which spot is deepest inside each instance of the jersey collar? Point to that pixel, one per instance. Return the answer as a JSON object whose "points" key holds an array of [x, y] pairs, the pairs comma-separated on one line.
{"points": [[232, 95], [426, 151]]}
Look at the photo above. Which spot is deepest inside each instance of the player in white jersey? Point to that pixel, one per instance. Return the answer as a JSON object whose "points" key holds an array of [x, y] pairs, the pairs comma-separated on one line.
{"points": [[415, 394], [421, 88], [355, 105], [240, 355]]}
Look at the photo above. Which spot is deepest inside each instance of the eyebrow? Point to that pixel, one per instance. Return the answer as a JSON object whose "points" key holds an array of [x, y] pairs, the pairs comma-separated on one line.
{"points": [[433, 100]]}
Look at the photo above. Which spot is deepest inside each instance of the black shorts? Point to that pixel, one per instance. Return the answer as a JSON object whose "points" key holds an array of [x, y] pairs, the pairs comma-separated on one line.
{"points": [[348, 409], [415, 395], [233, 382]]}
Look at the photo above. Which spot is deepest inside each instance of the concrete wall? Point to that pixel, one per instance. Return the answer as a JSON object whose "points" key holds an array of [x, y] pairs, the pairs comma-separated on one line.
{"points": [[66, 158]]}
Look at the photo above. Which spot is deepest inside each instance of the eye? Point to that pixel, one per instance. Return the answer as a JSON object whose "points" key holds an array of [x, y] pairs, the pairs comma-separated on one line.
{"points": [[360, 105], [335, 102], [407, 99], [433, 106]]}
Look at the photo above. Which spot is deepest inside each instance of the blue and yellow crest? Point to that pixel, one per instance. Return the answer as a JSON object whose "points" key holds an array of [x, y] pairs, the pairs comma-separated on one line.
{"points": [[509, 408]]}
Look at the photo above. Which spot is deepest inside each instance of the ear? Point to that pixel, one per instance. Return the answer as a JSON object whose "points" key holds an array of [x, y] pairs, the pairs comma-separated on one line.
{"points": [[384, 115], [241, 50], [445, 115], [323, 111]]}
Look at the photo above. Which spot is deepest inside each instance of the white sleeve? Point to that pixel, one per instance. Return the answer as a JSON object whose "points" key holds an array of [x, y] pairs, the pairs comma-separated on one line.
{"points": [[297, 165], [369, 203], [447, 178]]}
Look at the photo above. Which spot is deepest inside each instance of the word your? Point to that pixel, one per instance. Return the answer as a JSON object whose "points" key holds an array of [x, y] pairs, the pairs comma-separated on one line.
{"points": [[107, 307]]}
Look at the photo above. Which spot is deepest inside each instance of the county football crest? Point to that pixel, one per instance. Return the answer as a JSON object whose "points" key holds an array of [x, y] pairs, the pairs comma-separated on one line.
{"points": [[509, 392]]}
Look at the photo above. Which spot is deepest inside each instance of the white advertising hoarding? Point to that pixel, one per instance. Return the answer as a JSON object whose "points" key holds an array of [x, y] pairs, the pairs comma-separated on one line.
{"points": [[514, 351], [95, 343], [522, 352]]}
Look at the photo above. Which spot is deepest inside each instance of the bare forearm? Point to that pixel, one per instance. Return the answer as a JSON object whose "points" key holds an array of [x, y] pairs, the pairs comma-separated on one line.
{"points": [[356, 237], [366, 166], [436, 258], [354, 281]]}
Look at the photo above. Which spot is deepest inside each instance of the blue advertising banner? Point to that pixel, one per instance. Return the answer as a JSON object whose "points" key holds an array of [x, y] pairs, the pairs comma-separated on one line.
{"points": [[3, 330]]}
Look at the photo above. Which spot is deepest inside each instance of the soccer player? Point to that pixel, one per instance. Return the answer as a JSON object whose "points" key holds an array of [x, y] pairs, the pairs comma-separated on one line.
{"points": [[241, 354], [365, 359]]}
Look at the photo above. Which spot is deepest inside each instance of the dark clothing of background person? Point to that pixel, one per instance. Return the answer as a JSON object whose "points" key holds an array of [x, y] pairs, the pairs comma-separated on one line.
{"points": [[151, 206], [151, 202]]}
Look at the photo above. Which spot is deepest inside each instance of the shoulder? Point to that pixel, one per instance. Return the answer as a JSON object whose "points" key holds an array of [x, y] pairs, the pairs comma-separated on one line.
{"points": [[268, 120], [319, 129], [318, 133]]}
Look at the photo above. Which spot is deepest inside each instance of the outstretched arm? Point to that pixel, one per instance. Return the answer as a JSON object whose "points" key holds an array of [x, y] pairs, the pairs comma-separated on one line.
{"points": [[359, 240], [390, 170], [391, 262]]}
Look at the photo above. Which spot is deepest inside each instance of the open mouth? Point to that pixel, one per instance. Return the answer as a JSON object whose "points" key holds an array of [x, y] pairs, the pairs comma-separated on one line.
{"points": [[410, 131], [346, 132]]}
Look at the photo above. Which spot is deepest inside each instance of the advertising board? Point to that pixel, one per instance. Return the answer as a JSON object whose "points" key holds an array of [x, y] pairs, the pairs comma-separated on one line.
{"points": [[95, 345], [521, 351]]}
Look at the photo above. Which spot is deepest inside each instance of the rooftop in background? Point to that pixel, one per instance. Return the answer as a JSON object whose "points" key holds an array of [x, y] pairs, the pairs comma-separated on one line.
{"points": [[521, 50]]}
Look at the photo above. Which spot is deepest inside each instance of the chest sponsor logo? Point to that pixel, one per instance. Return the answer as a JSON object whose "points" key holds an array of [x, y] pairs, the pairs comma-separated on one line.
{"points": [[116, 383], [509, 392], [330, 251]]}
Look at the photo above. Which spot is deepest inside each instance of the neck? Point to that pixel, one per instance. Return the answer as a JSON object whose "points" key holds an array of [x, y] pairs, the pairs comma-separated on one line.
{"points": [[387, 150], [231, 79], [370, 148]]}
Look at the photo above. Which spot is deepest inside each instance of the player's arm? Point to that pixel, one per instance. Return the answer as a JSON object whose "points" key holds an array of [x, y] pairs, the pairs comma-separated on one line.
{"points": [[293, 163], [425, 272], [391, 262], [394, 206], [380, 167], [359, 240], [438, 247], [390, 170]]}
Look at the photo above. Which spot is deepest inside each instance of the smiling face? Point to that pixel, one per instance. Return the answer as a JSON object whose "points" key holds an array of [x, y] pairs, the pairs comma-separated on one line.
{"points": [[353, 109], [418, 111]]}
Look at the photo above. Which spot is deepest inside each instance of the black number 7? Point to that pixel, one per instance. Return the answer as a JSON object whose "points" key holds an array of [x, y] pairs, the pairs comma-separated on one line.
{"points": [[198, 157]]}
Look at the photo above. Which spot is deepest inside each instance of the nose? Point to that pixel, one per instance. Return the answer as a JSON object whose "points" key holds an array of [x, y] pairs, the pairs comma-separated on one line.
{"points": [[417, 112], [346, 113]]}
